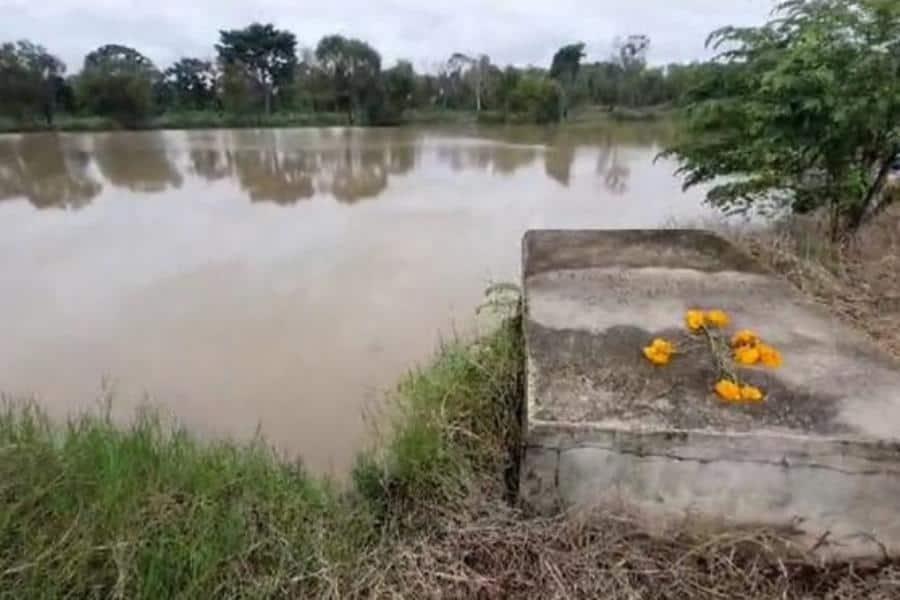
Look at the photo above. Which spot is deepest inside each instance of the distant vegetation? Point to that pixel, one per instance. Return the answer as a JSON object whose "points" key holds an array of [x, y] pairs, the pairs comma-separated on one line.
{"points": [[261, 75]]}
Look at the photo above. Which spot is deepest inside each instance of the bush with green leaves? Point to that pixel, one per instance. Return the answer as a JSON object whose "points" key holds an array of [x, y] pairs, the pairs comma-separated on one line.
{"points": [[537, 98], [801, 113]]}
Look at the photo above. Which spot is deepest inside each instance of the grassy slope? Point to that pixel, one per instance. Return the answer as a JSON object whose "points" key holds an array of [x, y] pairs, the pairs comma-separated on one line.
{"points": [[150, 512]]}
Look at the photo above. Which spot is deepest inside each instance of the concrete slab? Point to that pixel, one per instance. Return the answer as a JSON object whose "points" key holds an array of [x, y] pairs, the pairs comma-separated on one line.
{"points": [[605, 427]]}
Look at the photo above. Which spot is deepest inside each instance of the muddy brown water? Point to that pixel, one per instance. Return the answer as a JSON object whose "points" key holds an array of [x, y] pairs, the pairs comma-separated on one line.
{"points": [[283, 280]]}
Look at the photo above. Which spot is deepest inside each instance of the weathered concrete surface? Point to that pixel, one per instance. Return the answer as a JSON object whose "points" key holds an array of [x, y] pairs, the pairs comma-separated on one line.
{"points": [[603, 426]]}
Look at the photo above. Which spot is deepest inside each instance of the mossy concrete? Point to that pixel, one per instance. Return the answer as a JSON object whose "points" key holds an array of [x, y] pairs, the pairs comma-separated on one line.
{"points": [[820, 458]]}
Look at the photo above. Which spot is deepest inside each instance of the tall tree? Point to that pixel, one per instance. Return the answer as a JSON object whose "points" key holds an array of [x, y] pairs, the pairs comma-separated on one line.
{"points": [[803, 111], [267, 55], [354, 68], [117, 81], [631, 52], [400, 84], [564, 69], [32, 80], [192, 82], [476, 69], [506, 87], [631, 56]]}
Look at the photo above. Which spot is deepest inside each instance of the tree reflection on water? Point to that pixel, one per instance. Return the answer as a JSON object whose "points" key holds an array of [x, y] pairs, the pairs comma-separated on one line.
{"points": [[287, 166], [48, 170]]}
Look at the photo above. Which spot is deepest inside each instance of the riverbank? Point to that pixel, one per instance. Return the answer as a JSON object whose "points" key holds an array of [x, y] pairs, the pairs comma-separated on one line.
{"points": [[93, 510], [218, 120], [151, 512]]}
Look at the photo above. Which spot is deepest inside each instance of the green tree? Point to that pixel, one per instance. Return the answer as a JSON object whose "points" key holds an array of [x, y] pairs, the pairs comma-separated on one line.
{"points": [[32, 80], [475, 70], [631, 58], [400, 85], [802, 112], [235, 90], [537, 98], [354, 68], [192, 82], [117, 81], [564, 69], [312, 86], [265, 54], [506, 87]]}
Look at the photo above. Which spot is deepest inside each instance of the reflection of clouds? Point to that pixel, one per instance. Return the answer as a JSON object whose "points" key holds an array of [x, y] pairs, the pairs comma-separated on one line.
{"points": [[139, 162], [49, 170]]}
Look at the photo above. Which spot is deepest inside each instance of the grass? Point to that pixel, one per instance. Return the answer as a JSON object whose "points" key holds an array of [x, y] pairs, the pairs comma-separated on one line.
{"points": [[148, 511], [151, 513], [93, 510]]}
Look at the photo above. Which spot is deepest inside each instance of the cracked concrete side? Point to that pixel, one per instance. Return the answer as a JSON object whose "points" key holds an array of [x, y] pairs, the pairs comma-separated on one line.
{"points": [[802, 486]]}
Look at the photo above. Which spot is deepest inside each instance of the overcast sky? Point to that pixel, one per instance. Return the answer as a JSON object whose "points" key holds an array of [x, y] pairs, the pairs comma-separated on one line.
{"points": [[425, 31]]}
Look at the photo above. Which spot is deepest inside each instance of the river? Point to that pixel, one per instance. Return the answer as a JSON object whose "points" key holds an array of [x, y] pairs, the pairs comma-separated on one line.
{"points": [[283, 280]]}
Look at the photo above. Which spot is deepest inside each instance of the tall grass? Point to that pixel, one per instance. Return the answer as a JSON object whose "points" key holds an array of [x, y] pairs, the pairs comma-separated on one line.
{"points": [[148, 511]]}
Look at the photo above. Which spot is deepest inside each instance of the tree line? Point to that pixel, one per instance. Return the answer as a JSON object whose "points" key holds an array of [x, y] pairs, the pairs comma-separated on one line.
{"points": [[260, 70]]}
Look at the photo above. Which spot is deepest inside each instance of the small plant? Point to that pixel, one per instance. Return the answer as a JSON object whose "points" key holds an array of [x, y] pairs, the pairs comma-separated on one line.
{"points": [[745, 348]]}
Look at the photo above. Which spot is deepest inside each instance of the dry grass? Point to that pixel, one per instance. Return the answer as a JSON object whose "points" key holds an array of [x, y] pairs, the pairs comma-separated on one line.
{"points": [[858, 280], [504, 555]]}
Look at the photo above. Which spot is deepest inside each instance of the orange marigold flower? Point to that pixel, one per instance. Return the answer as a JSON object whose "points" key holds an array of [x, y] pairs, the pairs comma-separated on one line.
{"points": [[745, 338], [769, 356], [659, 352], [718, 318], [663, 345], [747, 355], [752, 395], [728, 391], [657, 358], [695, 319]]}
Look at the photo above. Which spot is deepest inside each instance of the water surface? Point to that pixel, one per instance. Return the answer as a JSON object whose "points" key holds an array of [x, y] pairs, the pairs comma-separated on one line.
{"points": [[283, 279]]}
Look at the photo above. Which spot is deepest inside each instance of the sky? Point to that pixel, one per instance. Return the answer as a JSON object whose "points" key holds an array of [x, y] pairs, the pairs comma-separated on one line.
{"points": [[426, 32]]}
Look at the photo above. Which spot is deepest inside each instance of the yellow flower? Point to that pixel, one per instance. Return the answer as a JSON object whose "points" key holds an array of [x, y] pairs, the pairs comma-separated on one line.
{"points": [[747, 355], [718, 318], [745, 338], [728, 391], [657, 358], [751, 395], [664, 346], [659, 352], [769, 356], [695, 320]]}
